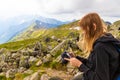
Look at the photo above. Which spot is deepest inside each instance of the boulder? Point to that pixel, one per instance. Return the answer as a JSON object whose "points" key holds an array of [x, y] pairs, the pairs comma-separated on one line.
{"points": [[78, 76], [70, 68], [34, 76], [55, 78], [27, 78], [2, 74], [2, 50], [4, 69], [28, 71], [59, 40], [37, 46], [47, 58], [25, 53], [38, 63], [15, 55], [24, 63], [44, 77], [58, 59], [21, 69], [34, 53], [11, 73], [32, 59]]}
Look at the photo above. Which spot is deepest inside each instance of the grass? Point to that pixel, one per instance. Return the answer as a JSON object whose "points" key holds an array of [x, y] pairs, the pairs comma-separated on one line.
{"points": [[3, 78], [19, 44], [59, 32], [21, 76]]}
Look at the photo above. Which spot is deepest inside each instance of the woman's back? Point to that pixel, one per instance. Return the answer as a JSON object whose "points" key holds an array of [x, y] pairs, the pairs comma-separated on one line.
{"points": [[104, 48]]}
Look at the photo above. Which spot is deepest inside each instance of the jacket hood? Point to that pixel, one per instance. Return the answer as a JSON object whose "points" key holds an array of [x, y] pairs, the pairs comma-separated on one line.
{"points": [[107, 38]]}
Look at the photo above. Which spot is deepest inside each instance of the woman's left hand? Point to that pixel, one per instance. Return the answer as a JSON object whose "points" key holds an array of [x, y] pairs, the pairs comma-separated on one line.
{"points": [[74, 62]]}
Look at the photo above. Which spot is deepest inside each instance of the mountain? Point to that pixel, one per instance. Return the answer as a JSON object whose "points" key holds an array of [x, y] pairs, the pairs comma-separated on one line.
{"points": [[37, 29], [37, 49], [41, 54], [32, 35], [108, 23], [14, 26]]}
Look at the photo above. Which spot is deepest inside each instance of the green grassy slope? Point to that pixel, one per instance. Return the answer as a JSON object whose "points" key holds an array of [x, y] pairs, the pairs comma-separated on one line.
{"points": [[31, 36]]}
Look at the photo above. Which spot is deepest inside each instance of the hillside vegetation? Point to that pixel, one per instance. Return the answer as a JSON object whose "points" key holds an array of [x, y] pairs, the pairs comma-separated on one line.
{"points": [[35, 54]]}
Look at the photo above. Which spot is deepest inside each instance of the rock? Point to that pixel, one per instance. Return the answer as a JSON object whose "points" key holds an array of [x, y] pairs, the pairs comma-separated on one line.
{"points": [[45, 77], [11, 60], [15, 55], [47, 39], [27, 78], [11, 73], [2, 50], [49, 47], [25, 53], [28, 71], [55, 78], [17, 62], [47, 58], [45, 52], [6, 57], [1, 69], [2, 74], [32, 59], [21, 69], [34, 53], [30, 50], [13, 51], [78, 76], [4, 69], [38, 46], [53, 37], [59, 40], [70, 68], [34, 76], [38, 63], [2, 58], [24, 63], [58, 59], [14, 65]]}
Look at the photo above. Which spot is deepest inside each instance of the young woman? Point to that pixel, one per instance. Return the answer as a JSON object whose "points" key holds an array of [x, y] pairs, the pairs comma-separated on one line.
{"points": [[103, 59]]}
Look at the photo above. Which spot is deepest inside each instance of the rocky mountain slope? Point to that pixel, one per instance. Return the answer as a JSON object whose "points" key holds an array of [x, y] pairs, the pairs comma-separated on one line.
{"points": [[38, 57], [34, 58]]}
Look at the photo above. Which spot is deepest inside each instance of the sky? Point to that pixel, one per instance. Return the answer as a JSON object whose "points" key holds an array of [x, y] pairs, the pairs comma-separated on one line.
{"points": [[64, 10]]}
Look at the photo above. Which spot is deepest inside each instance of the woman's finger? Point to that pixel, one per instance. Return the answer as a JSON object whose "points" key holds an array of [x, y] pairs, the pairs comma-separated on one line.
{"points": [[67, 59]]}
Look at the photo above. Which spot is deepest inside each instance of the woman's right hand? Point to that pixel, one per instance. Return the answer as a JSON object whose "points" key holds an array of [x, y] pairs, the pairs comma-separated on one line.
{"points": [[74, 62]]}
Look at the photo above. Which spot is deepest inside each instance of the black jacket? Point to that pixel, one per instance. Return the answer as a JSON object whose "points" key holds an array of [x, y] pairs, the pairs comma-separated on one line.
{"points": [[103, 62]]}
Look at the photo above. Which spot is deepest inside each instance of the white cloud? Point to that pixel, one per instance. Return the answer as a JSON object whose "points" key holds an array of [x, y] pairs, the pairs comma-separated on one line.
{"points": [[60, 9], [10, 8]]}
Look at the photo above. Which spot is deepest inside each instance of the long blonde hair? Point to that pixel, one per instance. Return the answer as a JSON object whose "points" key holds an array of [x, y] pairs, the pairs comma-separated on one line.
{"points": [[88, 23]]}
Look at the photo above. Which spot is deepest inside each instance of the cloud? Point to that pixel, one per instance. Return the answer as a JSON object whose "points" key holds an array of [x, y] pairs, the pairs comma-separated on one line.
{"points": [[77, 8], [60, 9], [64, 6], [10, 8]]}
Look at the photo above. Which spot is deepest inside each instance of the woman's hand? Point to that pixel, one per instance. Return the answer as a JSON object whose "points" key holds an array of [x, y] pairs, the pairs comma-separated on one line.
{"points": [[74, 62]]}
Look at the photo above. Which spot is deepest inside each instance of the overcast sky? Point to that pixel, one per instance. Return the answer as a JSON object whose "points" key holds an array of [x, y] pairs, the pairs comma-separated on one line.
{"points": [[60, 9]]}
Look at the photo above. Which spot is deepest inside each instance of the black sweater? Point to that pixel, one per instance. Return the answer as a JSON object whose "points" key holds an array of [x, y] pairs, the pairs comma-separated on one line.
{"points": [[103, 62]]}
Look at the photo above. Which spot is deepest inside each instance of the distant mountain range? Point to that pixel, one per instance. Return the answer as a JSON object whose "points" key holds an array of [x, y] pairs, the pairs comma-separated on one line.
{"points": [[14, 26]]}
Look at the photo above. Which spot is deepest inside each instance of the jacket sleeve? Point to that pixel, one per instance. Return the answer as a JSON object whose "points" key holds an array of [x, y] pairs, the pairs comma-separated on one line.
{"points": [[83, 60], [101, 71]]}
